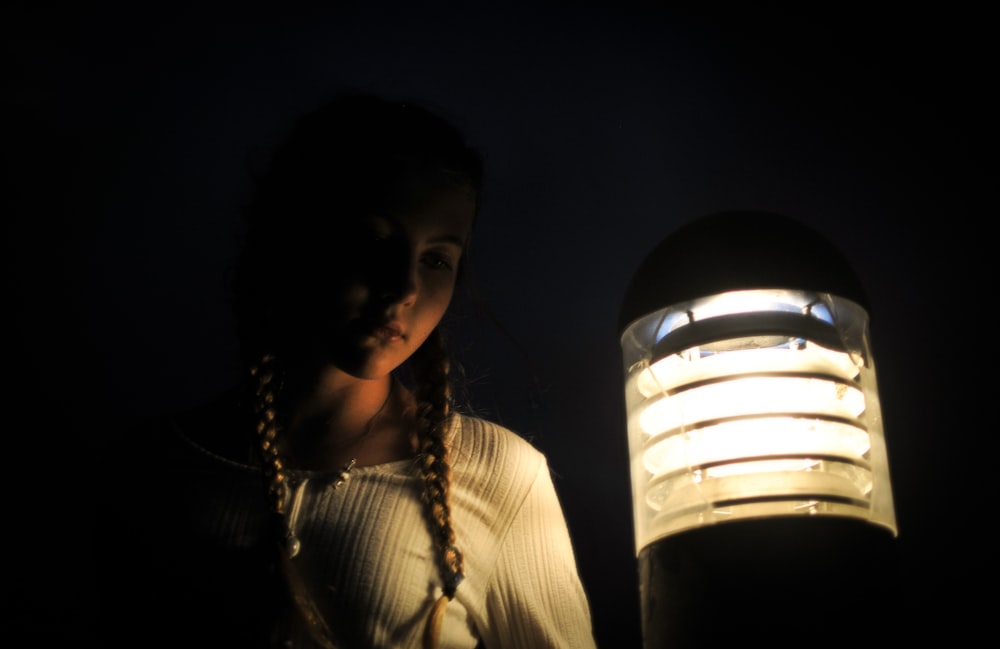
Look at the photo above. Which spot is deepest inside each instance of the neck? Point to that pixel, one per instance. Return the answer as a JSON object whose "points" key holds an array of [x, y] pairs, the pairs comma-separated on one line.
{"points": [[341, 420]]}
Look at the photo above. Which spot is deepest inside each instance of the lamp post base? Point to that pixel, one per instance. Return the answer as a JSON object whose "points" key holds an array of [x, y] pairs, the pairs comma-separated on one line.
{"points": [[780, 582]]}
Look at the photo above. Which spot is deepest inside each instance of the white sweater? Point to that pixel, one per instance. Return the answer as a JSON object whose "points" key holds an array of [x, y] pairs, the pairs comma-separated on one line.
{"points": [[367, 553]]}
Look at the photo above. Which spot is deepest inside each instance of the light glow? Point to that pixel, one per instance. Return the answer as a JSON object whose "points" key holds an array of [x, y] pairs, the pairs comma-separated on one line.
{"points": [[765, 437], [751, 396], [734, 413]]}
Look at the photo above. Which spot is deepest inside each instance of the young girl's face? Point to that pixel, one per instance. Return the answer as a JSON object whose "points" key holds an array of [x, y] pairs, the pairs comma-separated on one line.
{"points": [[393, 283]]}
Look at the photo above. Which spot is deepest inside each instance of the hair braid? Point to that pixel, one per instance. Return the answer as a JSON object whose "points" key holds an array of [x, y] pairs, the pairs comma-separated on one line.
{"points": [[433, 395], [277, 489], [276, 481]]}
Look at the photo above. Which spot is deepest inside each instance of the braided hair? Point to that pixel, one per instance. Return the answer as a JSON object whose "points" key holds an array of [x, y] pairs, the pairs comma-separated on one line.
{"points": [[354, 155], [430, 367]]}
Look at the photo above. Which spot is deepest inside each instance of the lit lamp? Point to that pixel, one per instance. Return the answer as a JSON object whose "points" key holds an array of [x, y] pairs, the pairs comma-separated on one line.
{"points": [[762, 501]]}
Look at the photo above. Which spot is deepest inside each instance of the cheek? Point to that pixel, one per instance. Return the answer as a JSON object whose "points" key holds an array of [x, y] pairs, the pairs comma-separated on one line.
{"points": [[351, 296], [436, 299]]}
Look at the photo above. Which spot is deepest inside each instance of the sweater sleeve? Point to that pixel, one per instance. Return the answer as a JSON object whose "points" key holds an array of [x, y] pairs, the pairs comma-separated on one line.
{"points": [[534, 598]]}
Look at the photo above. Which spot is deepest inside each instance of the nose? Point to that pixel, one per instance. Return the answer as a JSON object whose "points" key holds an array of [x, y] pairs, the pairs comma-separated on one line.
{"points": [[404, 288], [398, 276]]}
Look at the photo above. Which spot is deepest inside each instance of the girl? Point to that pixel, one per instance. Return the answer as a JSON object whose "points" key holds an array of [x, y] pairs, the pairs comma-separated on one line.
{"points": [[336, 498]]}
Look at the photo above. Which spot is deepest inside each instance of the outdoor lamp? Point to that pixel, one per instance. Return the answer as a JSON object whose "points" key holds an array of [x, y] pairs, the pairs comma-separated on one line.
{"points": [[759, 468]]}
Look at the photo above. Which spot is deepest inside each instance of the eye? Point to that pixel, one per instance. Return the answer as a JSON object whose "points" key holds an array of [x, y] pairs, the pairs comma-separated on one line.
{"points": [[437, 261], [379, 235], [376, 230]]}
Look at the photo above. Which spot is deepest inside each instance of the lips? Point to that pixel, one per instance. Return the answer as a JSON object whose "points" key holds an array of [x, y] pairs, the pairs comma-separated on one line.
{"points": [[389, 331]]}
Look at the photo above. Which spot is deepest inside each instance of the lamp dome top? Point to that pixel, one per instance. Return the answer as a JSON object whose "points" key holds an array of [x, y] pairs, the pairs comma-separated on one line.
{"points": [[736, 250]]}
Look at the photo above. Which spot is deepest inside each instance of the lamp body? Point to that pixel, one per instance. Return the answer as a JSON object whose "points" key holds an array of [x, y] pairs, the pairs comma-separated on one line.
{"points": [[762, 501]]}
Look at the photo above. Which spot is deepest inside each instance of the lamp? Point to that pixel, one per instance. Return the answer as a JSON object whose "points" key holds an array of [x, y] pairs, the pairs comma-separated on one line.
{"points": [[760, 480]]}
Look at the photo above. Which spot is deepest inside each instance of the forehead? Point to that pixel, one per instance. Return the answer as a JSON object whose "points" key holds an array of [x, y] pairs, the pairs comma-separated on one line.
{"points": [[446, 214]]}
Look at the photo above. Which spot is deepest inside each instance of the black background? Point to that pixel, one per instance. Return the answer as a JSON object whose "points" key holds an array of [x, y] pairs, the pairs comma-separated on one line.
{"points": [[131, 129]]}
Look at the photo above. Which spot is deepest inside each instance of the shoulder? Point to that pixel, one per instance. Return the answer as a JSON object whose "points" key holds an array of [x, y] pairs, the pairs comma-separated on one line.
{"points": [[473, 437], [222, 425], [492, 455], [173, 438]]}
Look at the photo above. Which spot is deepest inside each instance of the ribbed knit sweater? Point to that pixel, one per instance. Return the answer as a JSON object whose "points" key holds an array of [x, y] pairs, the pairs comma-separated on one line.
{"points": [[367, 555]]}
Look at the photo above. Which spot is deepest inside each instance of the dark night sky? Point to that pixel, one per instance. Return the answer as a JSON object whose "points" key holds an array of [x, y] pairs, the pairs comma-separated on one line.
{"points": [[605, 126]]}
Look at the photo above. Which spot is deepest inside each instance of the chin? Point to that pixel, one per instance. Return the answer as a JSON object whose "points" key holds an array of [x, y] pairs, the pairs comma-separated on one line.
{"points": [[369, 369]]}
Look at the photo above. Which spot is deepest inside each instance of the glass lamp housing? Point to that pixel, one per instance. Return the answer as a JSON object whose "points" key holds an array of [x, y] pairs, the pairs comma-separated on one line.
{"points": [[753, 404], [750, 386]]}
